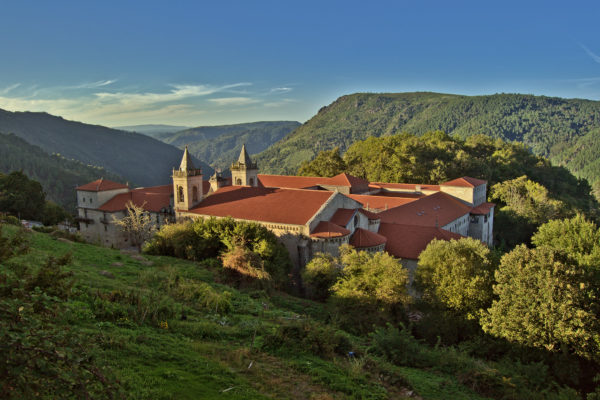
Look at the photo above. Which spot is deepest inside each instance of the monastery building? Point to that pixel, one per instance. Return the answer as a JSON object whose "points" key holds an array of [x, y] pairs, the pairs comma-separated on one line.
{"points": [[308, 214]]}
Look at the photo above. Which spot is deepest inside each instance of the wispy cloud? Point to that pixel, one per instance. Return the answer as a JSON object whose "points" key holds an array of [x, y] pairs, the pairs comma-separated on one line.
{"points": [[590, 53], [279, 90], [92, 85], [8, 89], [233, 101], [585, 82], [106, 103], [178, 92]]}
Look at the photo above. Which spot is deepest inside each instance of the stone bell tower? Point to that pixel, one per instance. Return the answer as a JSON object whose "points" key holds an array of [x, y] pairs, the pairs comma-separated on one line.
{"points": [[244, 172], [187, 184]]}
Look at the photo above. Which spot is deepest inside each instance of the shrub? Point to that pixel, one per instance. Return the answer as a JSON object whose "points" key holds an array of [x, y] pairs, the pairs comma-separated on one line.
{"points": [[319, 276], [372, 289], [310, 337]]}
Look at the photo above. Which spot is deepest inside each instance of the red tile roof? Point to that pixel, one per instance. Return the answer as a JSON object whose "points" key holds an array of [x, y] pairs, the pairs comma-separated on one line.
{"points": [[151, 199], [101, 185], [465, 181], [408, 241], [380, 202], [291, 182], [156, 189], [364, 238], [404, 186], [342, 216], [326, 229], [348, 180], [303, 182], [483, 209], [371, 215], [436, 209], [287, 206]]}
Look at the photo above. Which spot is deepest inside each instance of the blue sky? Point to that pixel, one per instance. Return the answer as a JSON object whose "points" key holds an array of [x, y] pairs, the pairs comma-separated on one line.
{"points": [[206, 63]]}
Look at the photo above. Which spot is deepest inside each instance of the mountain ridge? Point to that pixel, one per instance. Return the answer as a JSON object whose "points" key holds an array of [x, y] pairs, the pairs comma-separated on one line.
{"points": [[548, 125], [141, 159]]}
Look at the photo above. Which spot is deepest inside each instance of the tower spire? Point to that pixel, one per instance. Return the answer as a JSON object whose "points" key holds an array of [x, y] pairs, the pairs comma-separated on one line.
{"points": [[186, 161], [244, 158]]}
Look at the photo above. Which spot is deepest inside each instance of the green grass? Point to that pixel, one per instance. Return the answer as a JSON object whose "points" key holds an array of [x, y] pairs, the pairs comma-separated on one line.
{"points": [[210, 355]]}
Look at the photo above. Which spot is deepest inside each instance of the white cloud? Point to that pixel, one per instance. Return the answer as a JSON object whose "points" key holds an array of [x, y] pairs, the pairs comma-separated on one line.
{"points": [[233, 101], [279, 90], [590, 53]]}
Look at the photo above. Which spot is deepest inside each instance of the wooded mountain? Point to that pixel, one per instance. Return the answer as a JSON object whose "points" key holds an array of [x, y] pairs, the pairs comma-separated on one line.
{"points": [[220, 145], [152, 130], [138, 158], [57, 175], [564, 130]]}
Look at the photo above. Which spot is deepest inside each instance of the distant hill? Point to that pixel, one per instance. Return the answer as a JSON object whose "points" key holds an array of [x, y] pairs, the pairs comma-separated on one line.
{"points": [[138, 158], [58, 176], [220, 145], [152, 130], [564, 130]]}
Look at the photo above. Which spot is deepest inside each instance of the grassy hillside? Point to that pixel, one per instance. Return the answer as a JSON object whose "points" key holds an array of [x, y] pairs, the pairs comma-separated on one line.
{"points": [[220, 145], [145, 330], [58, 175], [138, 158], [552, 127]]}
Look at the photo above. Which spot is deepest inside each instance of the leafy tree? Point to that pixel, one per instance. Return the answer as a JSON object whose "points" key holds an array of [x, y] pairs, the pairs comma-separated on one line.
{"points": [[544, 299], [577, 236], [371, 289], [320, 274], [138, 224], [326, 163], [53, 214], [525, 205], [456, 274], [21, 196]]}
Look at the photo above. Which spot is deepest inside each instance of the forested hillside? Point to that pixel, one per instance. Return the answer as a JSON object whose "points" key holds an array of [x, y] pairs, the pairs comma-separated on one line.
{"points": [[560, 129], [138, 158], [152, 130], [57, 175], [220, 145]]}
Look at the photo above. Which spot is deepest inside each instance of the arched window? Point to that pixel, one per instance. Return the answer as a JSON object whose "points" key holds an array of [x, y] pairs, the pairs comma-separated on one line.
{"points": [[195, 194], [238, 182], [180, 197], [356, 220], [251, 181]]}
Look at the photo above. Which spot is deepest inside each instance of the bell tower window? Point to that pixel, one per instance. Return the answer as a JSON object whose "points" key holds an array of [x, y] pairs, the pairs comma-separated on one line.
{"points": [[180, 197]]}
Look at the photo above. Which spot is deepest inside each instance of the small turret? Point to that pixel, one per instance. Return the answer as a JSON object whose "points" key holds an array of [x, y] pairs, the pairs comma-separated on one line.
{"points": [[244, 172], [217, 181]]}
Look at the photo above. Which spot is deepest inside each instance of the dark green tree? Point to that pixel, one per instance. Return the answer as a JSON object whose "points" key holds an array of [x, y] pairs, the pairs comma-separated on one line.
{"points": [[327, 163], [320, 274], [21, 196]]}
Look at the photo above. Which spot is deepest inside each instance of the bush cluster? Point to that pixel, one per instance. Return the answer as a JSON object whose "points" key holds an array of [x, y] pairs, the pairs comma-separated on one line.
{"points": [[208, 238]]}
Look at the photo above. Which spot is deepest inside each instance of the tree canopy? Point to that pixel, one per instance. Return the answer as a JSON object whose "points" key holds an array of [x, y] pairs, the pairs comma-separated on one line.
{"points": [[545, 299], [457, 275]]}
